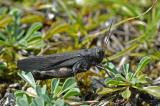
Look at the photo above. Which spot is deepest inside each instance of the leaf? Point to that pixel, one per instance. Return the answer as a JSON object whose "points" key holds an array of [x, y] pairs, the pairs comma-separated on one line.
{"points": [[126, 71], [28, 77], [134, 81], [56, 29], [5, 21], [34, 27], [32, 18], [153, 90], [2, 36], [126, 94], [36, 43], [20, 35], [55, 86], [143, 62], [41, 91], [112, 82], [123, 52], [119, 77], [115, 82], [47, 98], [59, 102], [130, 76], [22, 101], [2, 66], [142, 79], [2, 43], [129, 10], [19, 93], [34, 36], [3, 10], [68, 84], [111, 68], [38, 101], [72, 92], [105, 91]]}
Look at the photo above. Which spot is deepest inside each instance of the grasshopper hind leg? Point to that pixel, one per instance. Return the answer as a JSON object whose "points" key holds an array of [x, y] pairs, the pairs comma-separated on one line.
{"points": [[80, 66]]}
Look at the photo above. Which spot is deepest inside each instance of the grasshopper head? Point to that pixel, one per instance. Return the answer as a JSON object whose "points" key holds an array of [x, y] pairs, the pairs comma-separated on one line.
{"points": [[99, 54], [96, 55]]}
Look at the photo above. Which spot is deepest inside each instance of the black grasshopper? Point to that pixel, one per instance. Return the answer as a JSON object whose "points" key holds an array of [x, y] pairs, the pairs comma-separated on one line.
{"points": [[73, 62]]}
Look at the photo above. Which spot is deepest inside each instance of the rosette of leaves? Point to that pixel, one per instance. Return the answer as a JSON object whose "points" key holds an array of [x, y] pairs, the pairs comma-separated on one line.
{"points": [[130, 85], [56, 97], [15, 38]]}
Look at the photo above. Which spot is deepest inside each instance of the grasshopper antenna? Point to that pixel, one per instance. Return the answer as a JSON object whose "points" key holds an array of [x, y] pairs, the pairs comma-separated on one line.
{"points": [[106, 39]]}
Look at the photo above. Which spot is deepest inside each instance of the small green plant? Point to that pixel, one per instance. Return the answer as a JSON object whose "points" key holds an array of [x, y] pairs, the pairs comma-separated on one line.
{"points": [[127, 82], [14, 39], [40, 97]]}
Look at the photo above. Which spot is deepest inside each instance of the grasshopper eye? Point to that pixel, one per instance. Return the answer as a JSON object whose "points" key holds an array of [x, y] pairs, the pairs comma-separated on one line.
{"points": [[100, 53]]}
